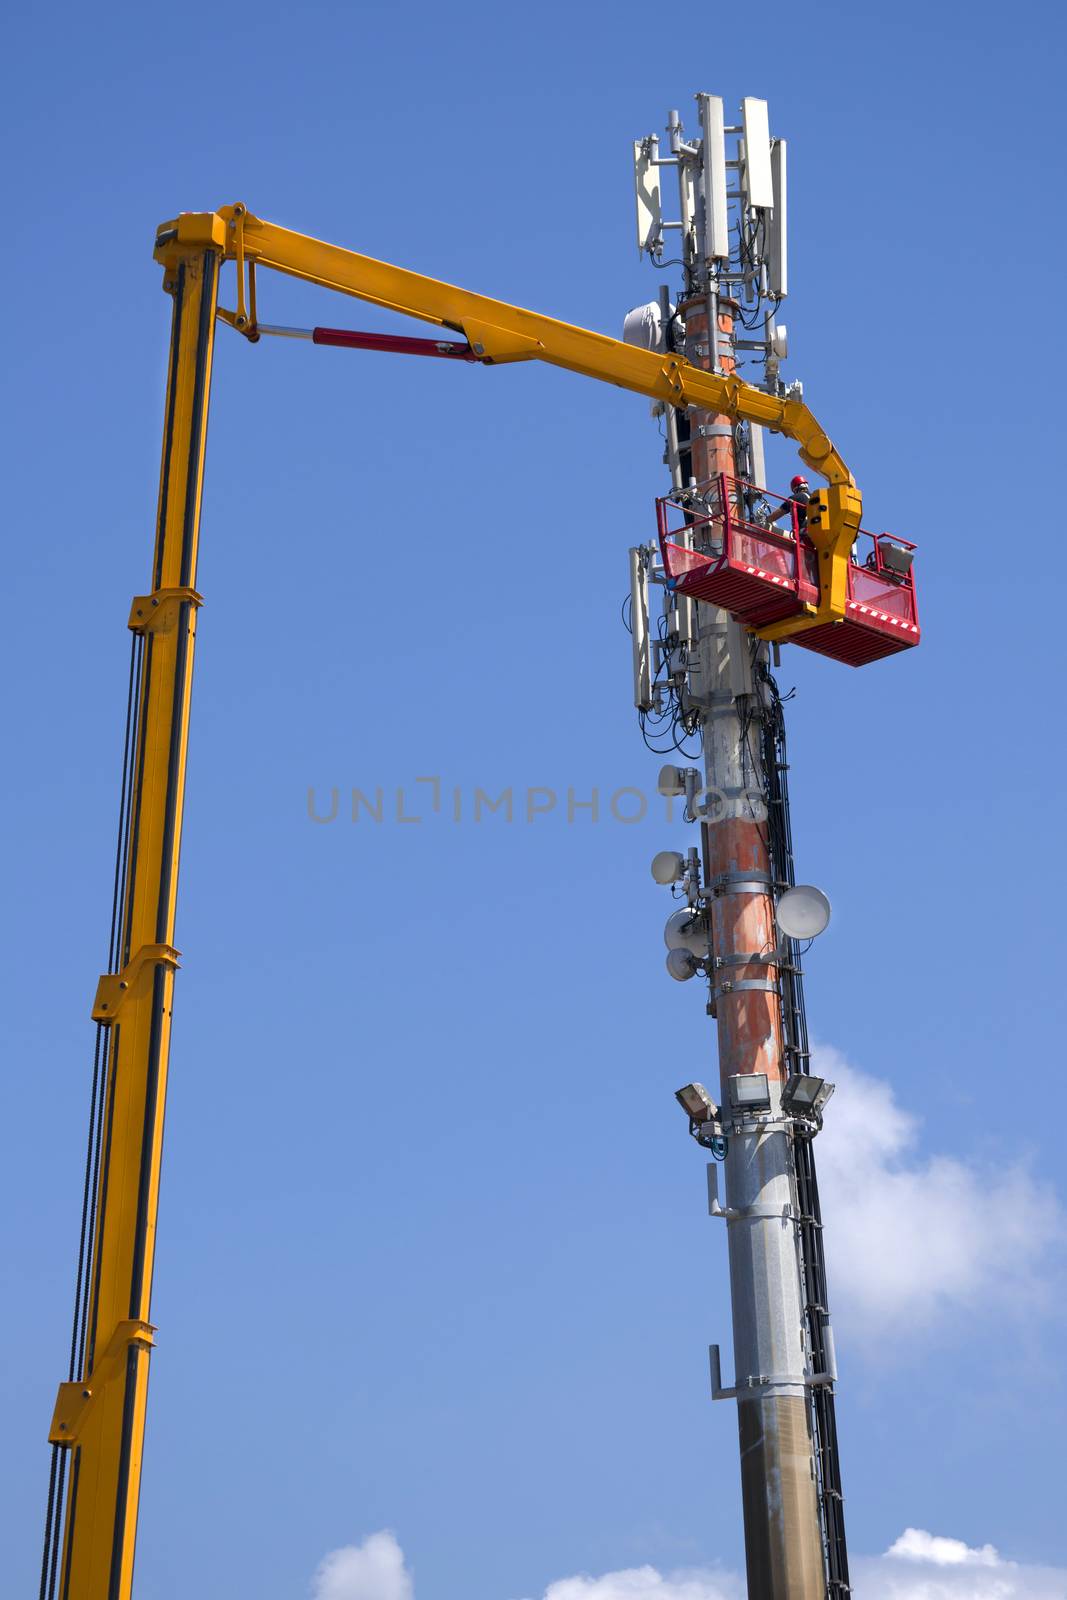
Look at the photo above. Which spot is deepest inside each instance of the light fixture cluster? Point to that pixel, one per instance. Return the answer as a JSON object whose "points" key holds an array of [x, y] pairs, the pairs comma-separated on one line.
{"points": [[803, 1097]]}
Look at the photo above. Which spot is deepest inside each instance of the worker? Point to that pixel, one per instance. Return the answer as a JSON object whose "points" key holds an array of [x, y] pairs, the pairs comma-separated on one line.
{"points": [[782, 561], [800, 497]]}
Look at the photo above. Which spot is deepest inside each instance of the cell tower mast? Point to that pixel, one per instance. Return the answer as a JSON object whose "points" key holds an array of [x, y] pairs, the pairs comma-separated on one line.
{"points": [[702, 680]]}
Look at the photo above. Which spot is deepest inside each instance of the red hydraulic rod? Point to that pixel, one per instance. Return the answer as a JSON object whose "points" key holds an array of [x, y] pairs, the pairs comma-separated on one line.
{"points": [[396, 343]]}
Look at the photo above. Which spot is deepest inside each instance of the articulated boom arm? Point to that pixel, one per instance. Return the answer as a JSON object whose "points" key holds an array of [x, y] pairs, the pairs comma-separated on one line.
{"points": [[498, 332]]}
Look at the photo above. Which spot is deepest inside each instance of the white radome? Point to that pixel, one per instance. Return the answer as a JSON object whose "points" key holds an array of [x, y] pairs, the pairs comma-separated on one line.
{"points": [[668, 866], [803, 912], [684, 931], [681, 964]]}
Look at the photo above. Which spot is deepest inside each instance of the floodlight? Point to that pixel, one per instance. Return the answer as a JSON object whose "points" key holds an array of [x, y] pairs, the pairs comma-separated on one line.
{"points": [[896, 558], [668, 866], [805, 1095], [802, 912], [749, 1091], [696, 1102], [687, 930], [682, 965], [671, 780]]}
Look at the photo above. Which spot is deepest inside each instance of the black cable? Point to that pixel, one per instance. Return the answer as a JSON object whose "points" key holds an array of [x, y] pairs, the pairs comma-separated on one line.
{"points": [[134, 682], [57, 1525], [77, 1329], [822, 1402], [94, 1189], [46, 1557], [54, 1514], [130, 760]]}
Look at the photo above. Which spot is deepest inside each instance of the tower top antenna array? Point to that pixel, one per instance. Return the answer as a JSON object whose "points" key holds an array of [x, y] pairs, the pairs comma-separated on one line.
{"points": [[731, 216]]}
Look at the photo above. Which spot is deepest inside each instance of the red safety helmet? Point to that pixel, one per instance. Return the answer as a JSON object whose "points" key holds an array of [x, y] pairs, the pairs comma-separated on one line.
{"points": [[798, 482]]}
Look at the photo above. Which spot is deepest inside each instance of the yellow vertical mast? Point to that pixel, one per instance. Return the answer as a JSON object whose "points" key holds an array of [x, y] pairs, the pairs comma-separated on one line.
{"points": [[100, 1416]]}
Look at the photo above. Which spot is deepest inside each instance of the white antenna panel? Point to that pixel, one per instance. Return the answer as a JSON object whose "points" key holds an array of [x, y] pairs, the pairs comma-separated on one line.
{"points": [[687, 194], [647, 192], [759, 189], [755, 440], [639, 631], [716, 242], [777, 245]]}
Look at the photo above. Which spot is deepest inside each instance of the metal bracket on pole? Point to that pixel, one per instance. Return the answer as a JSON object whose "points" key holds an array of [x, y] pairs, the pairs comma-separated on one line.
{"points": [[157, 612], [717, 1390], [746, 986], [114, 987], [754, 1386], [747, 958], [783, 1213], [741, 883], [74, 1400], [754, 1214]]}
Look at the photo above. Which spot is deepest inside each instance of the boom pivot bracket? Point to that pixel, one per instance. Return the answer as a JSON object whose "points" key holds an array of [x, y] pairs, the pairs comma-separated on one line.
{"points": [[157, 612], [74, 1400], [114, 987]]}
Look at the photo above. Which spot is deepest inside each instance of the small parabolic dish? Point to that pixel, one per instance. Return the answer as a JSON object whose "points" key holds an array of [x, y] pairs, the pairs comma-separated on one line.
{"points": [[803, 912]]}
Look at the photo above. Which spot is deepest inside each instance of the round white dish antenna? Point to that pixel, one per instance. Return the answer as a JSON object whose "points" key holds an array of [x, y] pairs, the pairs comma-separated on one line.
{"points": [[803, 912], [681, 964], [685, 931], [668, 866]]}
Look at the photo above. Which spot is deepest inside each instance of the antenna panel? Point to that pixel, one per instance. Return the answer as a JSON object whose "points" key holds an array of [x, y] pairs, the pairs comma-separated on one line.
{"points": [[755, 445], [759, 189], [639, 631], [777, 244], [716, 241], [687, 194], [647, 193]]}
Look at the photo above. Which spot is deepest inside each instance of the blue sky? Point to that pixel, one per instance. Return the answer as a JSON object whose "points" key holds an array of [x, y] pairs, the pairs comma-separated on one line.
{"points": [[432, 1254]]}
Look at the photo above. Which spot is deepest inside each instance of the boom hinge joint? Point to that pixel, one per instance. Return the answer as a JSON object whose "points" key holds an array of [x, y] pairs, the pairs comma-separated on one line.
{"points": [[114, 987], [74, 1400], [158, 612]]}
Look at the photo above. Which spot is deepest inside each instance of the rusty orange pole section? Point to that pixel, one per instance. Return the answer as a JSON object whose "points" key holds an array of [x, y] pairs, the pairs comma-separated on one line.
{"points": [[783, 1539]]}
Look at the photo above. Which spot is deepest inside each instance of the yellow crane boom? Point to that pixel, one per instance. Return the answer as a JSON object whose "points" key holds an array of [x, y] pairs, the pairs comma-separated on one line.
{"points": [[98, 1423]]}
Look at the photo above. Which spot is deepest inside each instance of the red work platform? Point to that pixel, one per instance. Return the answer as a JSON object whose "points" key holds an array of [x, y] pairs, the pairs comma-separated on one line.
{"points": [[881, 617], [719, 544]]}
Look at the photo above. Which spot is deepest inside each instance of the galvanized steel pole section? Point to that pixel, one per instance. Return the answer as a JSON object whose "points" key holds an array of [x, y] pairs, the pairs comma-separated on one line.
{"points": [[783, 1542]]}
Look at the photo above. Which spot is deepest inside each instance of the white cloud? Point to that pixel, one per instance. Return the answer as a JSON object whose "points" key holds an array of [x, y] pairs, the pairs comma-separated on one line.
{"points": [[373, 1570], [645, 1583], [911, 1238], [915, 1544], [917, 1566], [928, 1566]]}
